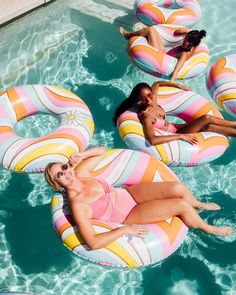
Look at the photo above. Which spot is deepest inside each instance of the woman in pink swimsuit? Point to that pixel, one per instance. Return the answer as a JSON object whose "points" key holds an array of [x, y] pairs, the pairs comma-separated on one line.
{"points": [[143, 99], [137, 204], [192, 38]]}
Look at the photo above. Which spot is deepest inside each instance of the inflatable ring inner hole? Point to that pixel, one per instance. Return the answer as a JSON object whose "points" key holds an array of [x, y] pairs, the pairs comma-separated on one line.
{"points": [[36, 125]]}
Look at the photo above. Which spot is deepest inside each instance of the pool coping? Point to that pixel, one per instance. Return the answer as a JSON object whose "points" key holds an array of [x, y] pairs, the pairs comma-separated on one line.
{"points": [[10, 12]]}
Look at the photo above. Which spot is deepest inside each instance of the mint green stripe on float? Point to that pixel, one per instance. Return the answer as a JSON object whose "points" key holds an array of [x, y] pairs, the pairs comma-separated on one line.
{"points": [[132, 164]]}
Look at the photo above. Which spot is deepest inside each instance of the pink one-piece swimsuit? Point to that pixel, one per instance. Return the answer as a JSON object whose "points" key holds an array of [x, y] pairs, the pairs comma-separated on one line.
{"points": [[160, 123], [103, 208]]}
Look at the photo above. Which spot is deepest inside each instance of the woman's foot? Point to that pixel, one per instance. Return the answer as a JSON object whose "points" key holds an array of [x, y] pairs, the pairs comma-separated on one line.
{"points": [[223, 231], [124, 33], [209, 206]]}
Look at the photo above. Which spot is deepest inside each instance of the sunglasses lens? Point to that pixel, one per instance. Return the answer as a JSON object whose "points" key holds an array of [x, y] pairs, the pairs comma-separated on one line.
{"points": [[64, 167]]}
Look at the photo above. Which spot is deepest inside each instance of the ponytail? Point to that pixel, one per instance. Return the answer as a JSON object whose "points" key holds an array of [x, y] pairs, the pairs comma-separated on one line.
{"points": [[194, 37]]}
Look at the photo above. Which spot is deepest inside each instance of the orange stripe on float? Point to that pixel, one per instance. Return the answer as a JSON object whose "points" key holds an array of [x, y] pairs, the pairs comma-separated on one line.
{"points": [[63, 98], [205, 109], [171, 229], [4, 129], [17, 104], [179, 13]]}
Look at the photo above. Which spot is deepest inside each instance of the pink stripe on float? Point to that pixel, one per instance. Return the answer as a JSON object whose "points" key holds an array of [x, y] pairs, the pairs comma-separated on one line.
{"points": [[61, 221], [162, 237], [167, 3], [109, 169], [151, 14], [26, 100], [150, 59], [6, 136], [142, 166], [225, 75], [180, 236], [64, 103], [189, 112], [218, 149], [3, 113], [75, 133]]}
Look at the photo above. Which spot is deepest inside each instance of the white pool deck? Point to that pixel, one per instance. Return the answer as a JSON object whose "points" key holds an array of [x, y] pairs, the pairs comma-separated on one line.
{"points": [[10, 9]]}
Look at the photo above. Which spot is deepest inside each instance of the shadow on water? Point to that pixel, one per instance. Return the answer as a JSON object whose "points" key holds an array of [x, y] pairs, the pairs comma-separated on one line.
{"points": [[162, 280], [33, 244], [16, 194], [106, 58]]}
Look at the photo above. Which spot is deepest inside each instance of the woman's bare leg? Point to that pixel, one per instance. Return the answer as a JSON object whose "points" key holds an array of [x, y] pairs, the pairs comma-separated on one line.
{"points": [[158, 210], [143, 192], [150, 33], [202, 123]]}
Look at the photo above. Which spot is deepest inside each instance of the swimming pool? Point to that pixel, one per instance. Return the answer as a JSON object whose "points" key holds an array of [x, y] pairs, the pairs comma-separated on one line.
{"points": [[77, 46]]}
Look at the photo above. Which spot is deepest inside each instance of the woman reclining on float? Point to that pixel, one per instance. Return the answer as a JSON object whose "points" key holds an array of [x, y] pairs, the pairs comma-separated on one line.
{"points": [[192, 38], [137, 204], [144, 99]]}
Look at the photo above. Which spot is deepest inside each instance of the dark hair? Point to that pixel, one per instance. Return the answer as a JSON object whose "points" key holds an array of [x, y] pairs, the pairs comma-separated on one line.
{"points": [[194, 37], [130, 101]]}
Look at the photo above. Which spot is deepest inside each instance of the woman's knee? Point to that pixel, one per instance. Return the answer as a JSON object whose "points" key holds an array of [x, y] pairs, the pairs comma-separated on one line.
{"points": [[208, 118], [182, 206], [180, 190]]}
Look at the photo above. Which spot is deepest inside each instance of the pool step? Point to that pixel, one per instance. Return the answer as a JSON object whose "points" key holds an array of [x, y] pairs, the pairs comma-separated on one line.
{"points": [[111, 11]]}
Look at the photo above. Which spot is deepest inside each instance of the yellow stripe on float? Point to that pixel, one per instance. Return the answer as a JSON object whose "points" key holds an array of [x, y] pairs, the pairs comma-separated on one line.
{"points": [[118, 250], [131, 129], [161, 150], [55, 148], [71, 241], [54, 202], [192, 63], [224, 98], [90, 123]]}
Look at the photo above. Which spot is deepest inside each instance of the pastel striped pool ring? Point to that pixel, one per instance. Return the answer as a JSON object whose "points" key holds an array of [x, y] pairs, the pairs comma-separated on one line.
{"points": [[33, 154], [180, 12], [123, 167], [222, 83], [161, 64], [187, 105]]}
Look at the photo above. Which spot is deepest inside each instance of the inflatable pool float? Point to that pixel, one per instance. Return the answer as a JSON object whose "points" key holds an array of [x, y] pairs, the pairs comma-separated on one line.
{"points": [[180, 12], [123, 167], [33, 154], [161, 64], [186, 105], [222, 83]]}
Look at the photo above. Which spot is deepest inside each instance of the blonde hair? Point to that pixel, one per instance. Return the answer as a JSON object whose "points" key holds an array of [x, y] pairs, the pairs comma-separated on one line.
{"points": [[48, 177]]}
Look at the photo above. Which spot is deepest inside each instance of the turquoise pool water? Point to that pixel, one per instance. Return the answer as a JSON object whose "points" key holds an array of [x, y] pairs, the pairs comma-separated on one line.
{"points": [[77, 46]]}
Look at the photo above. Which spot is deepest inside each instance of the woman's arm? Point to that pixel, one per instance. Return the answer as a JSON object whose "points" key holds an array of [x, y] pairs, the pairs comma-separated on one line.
{"points": [[86, 161], [181, 31], [81, 212], [182, 59], [149, 133], [157, 84]]}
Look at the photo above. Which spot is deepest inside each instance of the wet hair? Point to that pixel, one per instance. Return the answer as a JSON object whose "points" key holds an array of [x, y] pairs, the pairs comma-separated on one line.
{"points": [[48, 177], [130, 101], [194, 37]]}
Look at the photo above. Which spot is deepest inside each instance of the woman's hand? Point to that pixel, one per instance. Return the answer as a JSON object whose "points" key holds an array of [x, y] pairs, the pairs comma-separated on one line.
{"points": [[136, 230], [75, 159], [191, 138]]}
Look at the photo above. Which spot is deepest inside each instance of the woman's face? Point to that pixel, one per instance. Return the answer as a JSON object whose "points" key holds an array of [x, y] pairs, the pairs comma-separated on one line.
{"points": [[62, 174], [186, 45], [145, 96]]}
